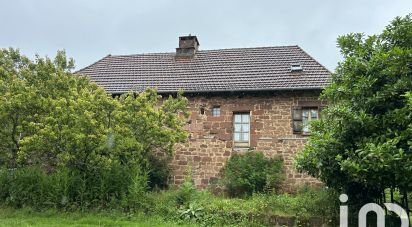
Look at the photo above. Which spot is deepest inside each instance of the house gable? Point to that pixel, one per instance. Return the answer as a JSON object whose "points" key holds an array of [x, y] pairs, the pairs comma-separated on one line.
{"points": [[255, 90]]}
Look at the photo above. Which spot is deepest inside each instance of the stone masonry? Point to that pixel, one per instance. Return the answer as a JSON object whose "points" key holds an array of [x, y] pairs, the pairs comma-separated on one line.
{"points": [[210, 142]]}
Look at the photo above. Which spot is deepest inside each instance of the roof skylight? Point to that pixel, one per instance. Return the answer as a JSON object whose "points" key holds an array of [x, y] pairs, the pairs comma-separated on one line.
{"points": [[296, 67]]}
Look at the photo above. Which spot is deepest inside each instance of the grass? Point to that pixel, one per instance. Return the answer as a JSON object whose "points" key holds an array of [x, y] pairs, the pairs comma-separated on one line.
{"points": [[164, 210], [29, 217]]}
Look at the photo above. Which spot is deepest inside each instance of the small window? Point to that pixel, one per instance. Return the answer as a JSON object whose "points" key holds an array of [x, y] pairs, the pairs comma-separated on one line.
{"points": [[216, 111], [241, 124], [202, 110], [302, 116], [296, 67]]}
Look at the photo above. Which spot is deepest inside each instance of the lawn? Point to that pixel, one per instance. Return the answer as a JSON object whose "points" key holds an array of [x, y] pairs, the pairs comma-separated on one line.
{"points": [[28, 217]]}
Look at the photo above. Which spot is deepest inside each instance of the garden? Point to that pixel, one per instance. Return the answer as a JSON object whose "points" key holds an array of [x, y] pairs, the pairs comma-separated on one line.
{"points": [[70, 154]]}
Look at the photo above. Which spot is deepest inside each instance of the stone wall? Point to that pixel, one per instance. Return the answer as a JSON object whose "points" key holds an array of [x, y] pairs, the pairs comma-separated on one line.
{"points": [[210, 143]]}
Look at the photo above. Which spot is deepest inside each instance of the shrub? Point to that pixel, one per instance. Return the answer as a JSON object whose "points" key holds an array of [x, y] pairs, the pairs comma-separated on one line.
{"points": [[186, 192], [159, 171], [119, 186], [251, 172], [27, 187], [4, 184], [137, 189]]}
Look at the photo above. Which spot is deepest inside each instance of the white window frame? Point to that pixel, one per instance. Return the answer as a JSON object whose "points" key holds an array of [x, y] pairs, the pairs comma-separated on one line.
{"points": [[241, 120], [307, 117], [216, 111]]}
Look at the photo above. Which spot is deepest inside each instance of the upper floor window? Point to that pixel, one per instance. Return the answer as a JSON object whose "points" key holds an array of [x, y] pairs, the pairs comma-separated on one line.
{"points": [[302, 116], [216, 111], [241, 125]]}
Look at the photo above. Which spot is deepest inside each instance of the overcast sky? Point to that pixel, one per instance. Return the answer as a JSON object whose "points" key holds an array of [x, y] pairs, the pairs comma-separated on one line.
{"points": [[90, 29]]}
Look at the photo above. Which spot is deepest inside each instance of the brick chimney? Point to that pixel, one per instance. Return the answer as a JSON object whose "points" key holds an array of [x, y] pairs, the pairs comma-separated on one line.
{"points": [[188, 45]]}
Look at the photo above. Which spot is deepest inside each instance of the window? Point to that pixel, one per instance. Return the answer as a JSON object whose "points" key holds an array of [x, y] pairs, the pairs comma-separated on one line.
{"points": [[216, 111], [302, 116], [296, 67], [241, 125]]}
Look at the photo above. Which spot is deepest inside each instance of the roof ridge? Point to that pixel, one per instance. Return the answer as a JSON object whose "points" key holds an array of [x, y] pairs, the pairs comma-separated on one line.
{"points": [[249, 48], [210, 50]]}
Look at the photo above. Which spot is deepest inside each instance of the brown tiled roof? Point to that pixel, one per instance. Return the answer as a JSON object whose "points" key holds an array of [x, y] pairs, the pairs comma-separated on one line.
{"points": [[241, 69]]}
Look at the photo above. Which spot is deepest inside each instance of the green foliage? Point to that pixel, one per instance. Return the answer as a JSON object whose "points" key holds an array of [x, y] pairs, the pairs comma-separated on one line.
{"points": [[192, 213], [71, 144], [137, 189], [70, 189], [55, 217], [28, 187], [159, 171], [207, 209], [186, 192], [4, 184], [251, 172], [362, 143]]}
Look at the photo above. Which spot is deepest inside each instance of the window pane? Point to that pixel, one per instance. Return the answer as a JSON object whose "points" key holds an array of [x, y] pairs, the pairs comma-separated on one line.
{"points": [[305, 123], [314, 114], [238, 118], [238, 127], [297, 126], [245, 118], [237, 136], [245, 136], [245, 127], [216, 111], [297, 113], [305, 114]]}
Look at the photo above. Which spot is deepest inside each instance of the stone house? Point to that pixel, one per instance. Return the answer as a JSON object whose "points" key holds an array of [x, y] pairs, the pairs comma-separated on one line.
{"points": [[244, 98]]}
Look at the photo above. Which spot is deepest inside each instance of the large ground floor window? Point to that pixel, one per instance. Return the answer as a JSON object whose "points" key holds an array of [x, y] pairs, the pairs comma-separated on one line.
{"points": [[241, 124]]}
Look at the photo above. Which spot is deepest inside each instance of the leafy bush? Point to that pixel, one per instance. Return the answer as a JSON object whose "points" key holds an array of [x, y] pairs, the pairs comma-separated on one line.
{"points": [[251, 172], [191, 213], [137, 189], [98, 151], [118, 186], [27, 187], [186, 191], [159, 172], [4, 184], [207, 209]]}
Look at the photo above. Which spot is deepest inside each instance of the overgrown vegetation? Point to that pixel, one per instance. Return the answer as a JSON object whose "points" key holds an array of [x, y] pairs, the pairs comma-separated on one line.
{"points": [[252, 172], [362, 145], [66, 143], [204, 209]]}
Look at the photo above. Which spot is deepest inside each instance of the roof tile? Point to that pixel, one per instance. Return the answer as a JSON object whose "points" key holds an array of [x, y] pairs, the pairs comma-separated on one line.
{"points": [[241, 69]]}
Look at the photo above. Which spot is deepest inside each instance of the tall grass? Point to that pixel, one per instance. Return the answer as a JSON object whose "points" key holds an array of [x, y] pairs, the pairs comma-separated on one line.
{"points": [[33, 187]]}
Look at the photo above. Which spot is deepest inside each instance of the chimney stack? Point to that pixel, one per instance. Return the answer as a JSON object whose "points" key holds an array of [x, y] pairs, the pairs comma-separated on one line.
{"points": [[188, 45]]}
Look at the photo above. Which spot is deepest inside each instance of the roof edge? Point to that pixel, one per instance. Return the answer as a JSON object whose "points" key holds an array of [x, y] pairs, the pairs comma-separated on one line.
{"points": [[77, 71], [234, 90], [314, 59]]}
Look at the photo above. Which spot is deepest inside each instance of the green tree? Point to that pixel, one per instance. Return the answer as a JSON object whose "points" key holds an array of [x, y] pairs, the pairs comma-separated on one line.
{"points": [[362, 145], [52, 117], [146, 128]]}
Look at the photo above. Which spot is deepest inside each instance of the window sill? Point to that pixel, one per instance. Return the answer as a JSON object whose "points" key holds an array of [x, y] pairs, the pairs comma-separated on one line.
{"points": [[241, 149], [241, 144]]}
